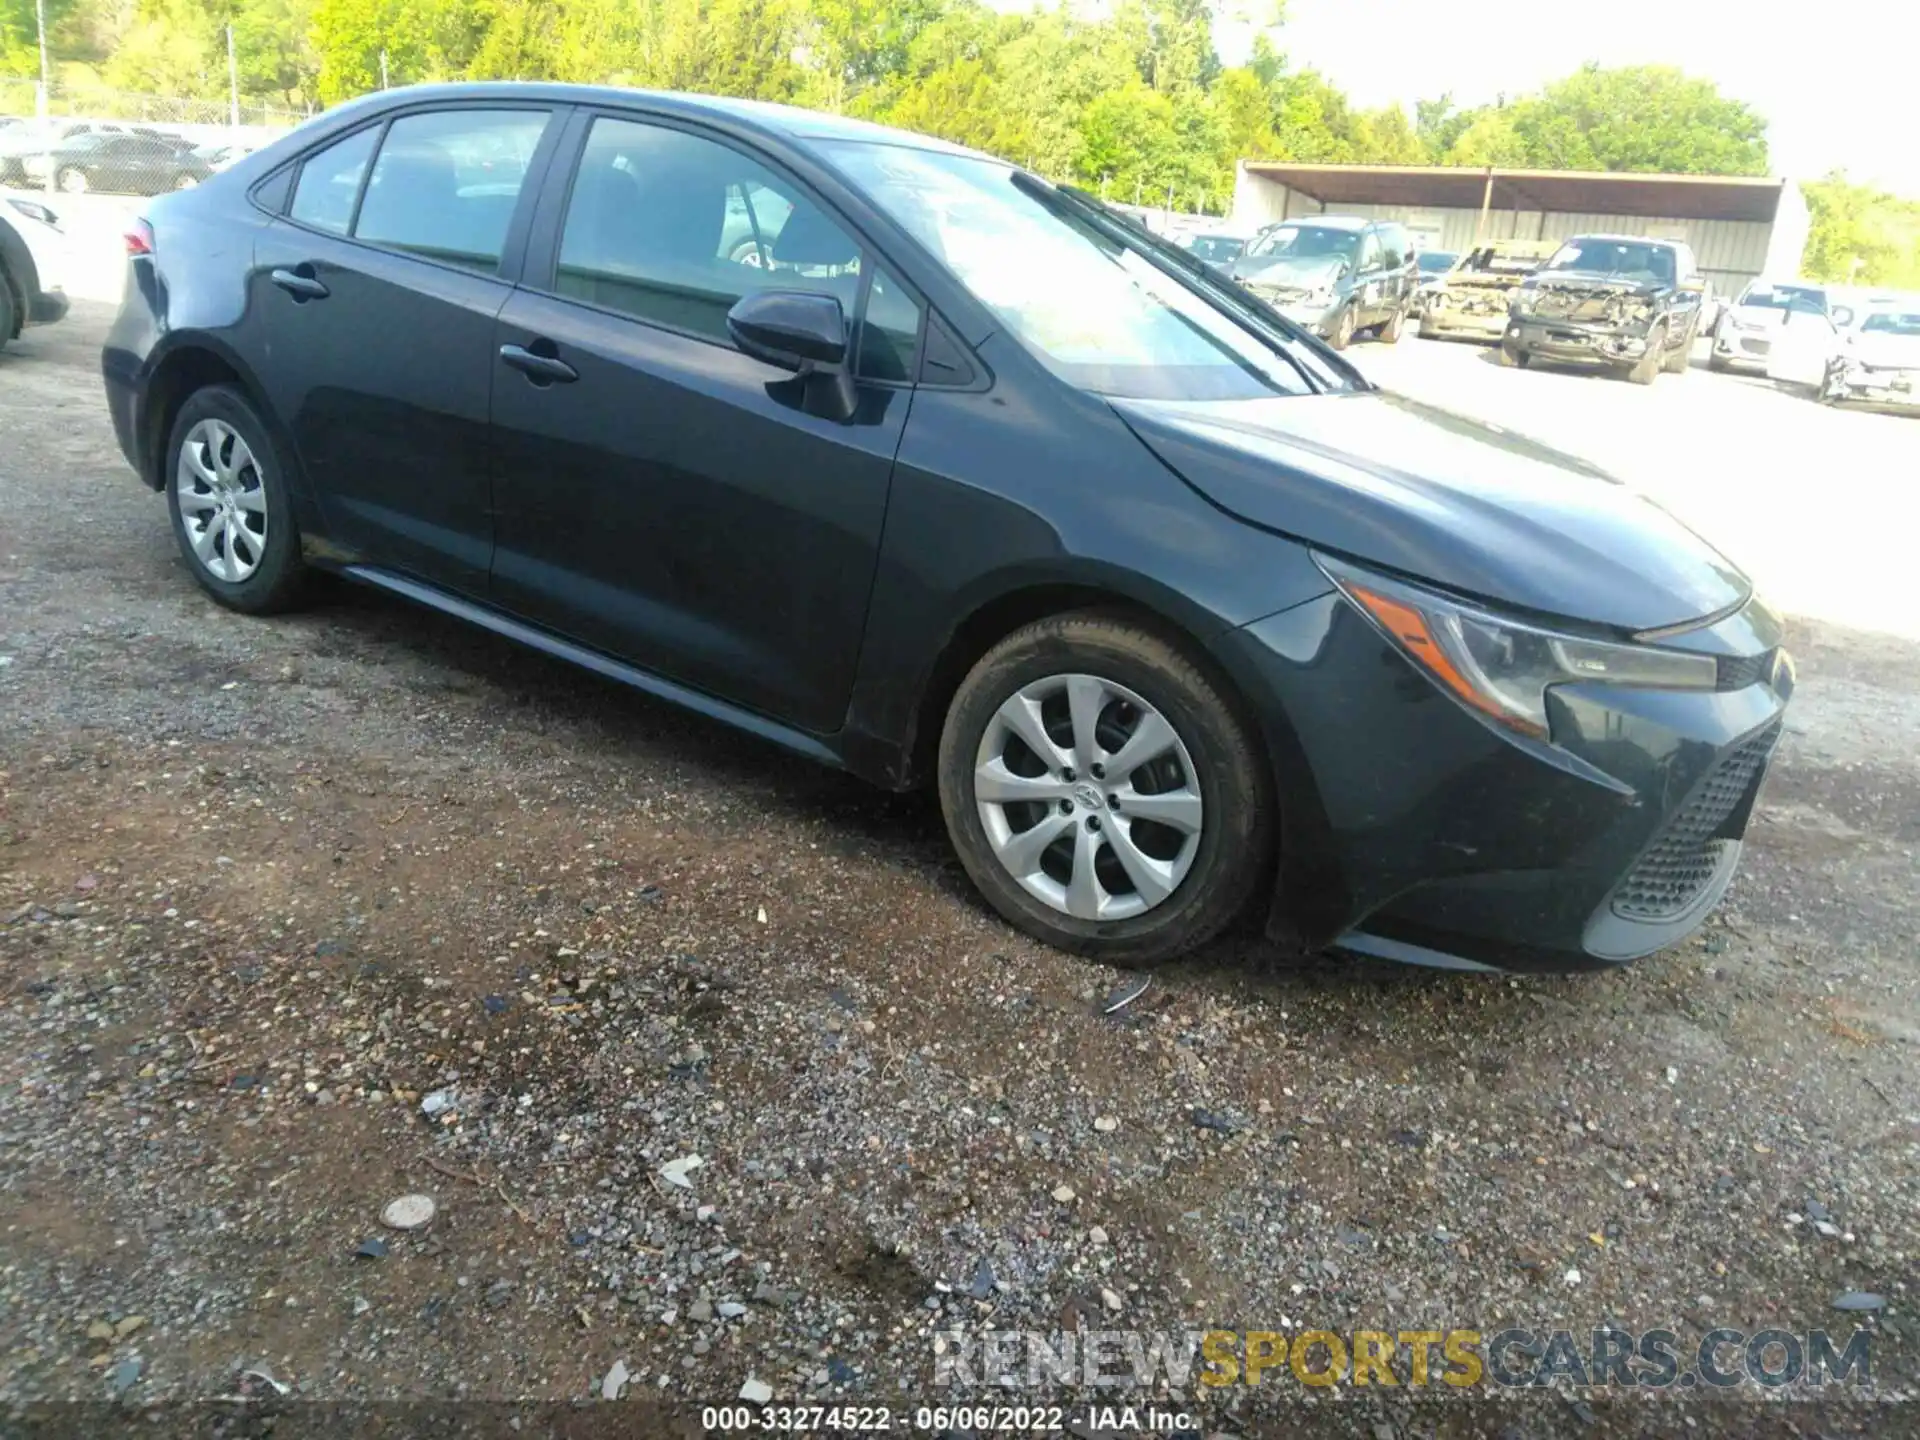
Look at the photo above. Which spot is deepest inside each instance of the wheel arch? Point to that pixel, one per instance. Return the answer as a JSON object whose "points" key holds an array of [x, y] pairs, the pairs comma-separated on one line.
{"points": [[186, 362], [991, 618]]}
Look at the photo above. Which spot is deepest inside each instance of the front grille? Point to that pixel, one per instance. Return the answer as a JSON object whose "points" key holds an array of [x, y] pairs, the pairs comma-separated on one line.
{"points": [[1736, 672], [1671, 873]]}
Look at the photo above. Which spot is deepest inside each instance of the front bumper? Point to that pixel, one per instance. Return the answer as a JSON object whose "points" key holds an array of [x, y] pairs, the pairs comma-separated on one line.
{"points": [[1413, 831], [1746, 349], [1319, 319], [1446, 318], [1577, 339], [1899, 388]]}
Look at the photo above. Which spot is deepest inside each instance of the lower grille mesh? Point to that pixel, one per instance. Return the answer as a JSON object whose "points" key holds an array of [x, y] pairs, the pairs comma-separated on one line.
{"points": [[1675, 868]]}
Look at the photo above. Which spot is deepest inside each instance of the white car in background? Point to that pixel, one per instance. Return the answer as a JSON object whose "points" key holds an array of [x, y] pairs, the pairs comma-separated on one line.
{"points": [[1743, 340], [33, 264], [1879, 358]]}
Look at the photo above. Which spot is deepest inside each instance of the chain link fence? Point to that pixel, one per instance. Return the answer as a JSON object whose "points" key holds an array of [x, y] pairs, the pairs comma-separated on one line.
{"points": [[94, 138]]}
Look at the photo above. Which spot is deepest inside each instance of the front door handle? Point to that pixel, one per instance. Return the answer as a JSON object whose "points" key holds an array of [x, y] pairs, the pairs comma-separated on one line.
{"points": [[540, 369], [301, 283]]}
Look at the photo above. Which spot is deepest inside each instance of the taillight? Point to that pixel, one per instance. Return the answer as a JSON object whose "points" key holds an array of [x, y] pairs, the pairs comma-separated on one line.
{"points": [[140, 239]]}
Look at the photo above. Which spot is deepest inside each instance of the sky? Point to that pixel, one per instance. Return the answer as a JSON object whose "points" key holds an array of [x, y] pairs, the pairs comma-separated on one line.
{"points": [[1840, 95]]}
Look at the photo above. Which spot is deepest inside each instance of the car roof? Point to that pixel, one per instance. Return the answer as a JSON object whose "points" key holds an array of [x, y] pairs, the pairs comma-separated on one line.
{"points": [[789, 122], [1635, 239]]}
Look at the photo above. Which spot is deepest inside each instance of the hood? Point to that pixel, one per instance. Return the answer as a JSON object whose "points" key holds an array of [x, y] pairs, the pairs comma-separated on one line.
{"points": [[1444, 498], [1303, 272]]}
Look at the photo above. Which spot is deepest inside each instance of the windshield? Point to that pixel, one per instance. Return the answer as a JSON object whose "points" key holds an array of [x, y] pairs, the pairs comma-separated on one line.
{"points": [[1629, 259], [1889, 322], [1305, 242], [1216, 247], [1785, 297], [1104, 313], [1435, 262]]}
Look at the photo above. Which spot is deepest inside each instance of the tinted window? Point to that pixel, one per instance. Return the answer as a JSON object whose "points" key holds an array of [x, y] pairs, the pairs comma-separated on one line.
{"points": [[1887, 322], [1780, 297], [330, 181], [1371, 253], [675, 228], [445, 184], [1393, 247], [889, 331]]}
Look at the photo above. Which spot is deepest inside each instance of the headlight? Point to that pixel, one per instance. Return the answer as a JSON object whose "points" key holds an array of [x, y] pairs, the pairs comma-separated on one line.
{"points": [[1502, 668], [33, 210]]}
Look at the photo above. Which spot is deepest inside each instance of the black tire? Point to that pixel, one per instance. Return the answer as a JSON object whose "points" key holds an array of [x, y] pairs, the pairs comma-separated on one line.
{"points": [[280, 574], [1342, 335], [64, 180], [1389, 333], [1680, 358], [9, 312], [1647, 368], [1511, 354], [1715, 363], [1234, 855]]}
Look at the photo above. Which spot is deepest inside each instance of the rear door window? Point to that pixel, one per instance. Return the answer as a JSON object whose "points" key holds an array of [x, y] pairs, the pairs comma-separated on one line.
{"points": [[445, 184]]}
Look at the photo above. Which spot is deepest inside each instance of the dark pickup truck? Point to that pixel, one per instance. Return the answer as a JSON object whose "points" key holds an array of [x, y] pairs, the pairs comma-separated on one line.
{"points": [[1627, 302]]}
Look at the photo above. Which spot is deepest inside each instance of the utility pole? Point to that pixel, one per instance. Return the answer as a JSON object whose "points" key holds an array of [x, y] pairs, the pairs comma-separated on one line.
{"points": [[233, 83], [41, 95], [383, 67]]}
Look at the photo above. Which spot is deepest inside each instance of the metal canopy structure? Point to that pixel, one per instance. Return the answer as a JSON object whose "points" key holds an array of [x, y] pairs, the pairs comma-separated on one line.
{"points": [[1693, 197]]}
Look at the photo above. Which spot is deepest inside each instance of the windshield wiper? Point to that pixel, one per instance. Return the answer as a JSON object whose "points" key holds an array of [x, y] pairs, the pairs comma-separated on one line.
{"points": [[1118, 225]]}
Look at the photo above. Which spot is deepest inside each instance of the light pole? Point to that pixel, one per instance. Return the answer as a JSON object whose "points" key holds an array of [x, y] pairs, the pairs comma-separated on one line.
{"points": [[40, 24], [233, 85]]}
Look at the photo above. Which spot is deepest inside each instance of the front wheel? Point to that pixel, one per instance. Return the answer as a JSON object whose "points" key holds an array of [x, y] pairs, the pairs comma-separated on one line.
{"points": [[72, 181], [1103, 791], [1643, 370], [1512, 354], [1342, 335], [185, 181], [1389, 333]]}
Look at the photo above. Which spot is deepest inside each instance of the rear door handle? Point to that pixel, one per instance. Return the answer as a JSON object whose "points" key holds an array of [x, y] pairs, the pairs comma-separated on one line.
{"points": [[540, 369], [301, 283]]}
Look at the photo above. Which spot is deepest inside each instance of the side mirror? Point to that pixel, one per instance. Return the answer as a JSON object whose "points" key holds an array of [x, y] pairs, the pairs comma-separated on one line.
{"points": [[1842, 316], [801, 331]]}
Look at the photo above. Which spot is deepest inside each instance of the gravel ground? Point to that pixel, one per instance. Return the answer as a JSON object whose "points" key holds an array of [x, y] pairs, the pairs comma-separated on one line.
{"points": [[271, 891]]}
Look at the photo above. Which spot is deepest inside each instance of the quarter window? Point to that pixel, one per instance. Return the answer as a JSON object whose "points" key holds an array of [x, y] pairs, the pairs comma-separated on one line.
{"points": [[446, 183], [674, 228], [330, 182], [889, 331]]}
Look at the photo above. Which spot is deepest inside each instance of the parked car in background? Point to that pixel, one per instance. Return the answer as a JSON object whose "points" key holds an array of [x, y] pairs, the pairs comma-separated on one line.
{"points": [[1628, 302], [33, 264], [1334, 275], [31, 137], [130, 164], [1744, 337], [1307, 648], [1434, 264], [1215, 248], [1878, 359], [1471, 300]]}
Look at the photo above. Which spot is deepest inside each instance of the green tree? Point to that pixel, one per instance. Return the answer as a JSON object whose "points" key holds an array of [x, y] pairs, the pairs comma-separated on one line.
{"points": [[174, 47], [1858, 234], [1642, 117], [272, 51]]}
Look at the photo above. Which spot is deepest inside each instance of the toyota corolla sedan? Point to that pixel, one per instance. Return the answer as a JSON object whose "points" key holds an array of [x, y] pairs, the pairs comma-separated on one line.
{"points": [[915, 464]]}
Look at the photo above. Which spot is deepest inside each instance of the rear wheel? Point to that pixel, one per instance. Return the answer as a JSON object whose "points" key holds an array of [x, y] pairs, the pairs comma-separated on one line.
{"points": [[73, 181], [1715, 363], [1389, 333], [1103, 792], [232, 513], [1512, 354]]}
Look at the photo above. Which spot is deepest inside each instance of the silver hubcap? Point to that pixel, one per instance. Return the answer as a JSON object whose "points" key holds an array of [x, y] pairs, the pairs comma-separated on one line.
{"points": [[223, 504], [1088, 796]]}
